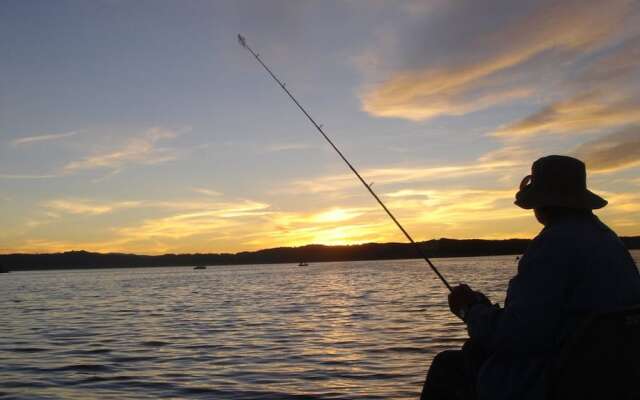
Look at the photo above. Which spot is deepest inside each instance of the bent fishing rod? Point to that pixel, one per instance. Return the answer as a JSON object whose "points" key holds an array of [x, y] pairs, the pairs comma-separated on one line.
{"points": [[243, 43]]}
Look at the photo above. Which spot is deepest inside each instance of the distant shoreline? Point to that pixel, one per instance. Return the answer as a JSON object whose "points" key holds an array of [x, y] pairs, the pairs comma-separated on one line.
{"points": [[436, 248]]}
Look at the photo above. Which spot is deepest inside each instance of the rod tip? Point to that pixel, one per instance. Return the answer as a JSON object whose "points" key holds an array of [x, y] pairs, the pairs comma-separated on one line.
{"points": [[242, 40]]}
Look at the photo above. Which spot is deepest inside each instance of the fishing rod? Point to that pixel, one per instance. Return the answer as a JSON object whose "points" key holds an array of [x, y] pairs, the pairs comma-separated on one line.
{"points": [[243, 43]]}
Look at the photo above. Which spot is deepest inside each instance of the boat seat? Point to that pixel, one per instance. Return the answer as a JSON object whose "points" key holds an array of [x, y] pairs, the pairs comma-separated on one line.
{"points": [[601, 360]]}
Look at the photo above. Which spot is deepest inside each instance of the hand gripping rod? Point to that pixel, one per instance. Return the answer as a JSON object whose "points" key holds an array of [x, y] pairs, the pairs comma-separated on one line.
{"points": [[244, 44]]}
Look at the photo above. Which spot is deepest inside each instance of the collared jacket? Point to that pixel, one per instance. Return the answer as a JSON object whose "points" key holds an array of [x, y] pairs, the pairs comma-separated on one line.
{"points": [[572, 268]]}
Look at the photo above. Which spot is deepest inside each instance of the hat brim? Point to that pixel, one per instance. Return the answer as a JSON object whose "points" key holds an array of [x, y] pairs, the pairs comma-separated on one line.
{"points": [[529, 198]]}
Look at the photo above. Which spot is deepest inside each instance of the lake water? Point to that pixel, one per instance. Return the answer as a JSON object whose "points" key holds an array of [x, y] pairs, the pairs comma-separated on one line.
{"points": [[346, 330]]}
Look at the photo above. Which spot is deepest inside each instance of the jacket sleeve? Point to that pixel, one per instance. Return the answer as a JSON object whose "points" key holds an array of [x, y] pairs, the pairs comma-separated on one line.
{"points": [[532, 317]]}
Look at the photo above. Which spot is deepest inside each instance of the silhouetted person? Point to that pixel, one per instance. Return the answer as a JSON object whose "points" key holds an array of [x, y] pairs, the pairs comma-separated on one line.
{"points": [[574, 267]]}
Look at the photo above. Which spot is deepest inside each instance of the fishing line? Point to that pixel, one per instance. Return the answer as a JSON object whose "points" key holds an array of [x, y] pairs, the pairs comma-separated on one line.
{"points": [[244, 44]]}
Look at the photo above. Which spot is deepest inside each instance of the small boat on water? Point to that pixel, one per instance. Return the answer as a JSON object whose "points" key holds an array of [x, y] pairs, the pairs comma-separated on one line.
{"points": [[302, 264], [200, 267]]}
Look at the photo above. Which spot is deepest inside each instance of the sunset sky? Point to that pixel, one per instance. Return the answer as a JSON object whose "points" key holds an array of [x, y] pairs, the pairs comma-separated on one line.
{"points": [[142, 126]]}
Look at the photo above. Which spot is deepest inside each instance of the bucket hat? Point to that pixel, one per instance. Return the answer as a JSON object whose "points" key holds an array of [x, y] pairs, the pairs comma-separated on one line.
{"points": [[557, 181]]}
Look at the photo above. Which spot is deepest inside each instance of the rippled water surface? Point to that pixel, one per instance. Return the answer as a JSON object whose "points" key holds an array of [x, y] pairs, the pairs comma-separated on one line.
{"points": [[353, 330]]}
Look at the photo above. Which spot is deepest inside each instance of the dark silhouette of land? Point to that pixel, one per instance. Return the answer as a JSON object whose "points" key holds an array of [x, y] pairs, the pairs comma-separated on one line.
{"points": [[310, 253]]}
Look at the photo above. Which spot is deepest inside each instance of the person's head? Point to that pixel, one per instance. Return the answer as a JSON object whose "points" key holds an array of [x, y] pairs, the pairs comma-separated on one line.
{"points": [[557, 188]]}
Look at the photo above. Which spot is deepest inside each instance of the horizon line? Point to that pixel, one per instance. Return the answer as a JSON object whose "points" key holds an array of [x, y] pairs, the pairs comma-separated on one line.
{"points": [[272, 248]]}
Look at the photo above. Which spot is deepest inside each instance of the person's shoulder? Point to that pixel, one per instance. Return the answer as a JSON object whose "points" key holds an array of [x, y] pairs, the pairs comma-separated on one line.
{"points": [[550, 240], [576, 228], [558, 233], [564, 238]]}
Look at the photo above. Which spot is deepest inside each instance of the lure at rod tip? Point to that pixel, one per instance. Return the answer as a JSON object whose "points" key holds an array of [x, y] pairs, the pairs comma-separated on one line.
{"points": [[243, 43]]}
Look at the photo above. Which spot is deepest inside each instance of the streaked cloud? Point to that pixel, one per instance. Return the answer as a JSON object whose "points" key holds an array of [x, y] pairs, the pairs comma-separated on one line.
{"points": [[498, 62], [578, 115], [142, 149], [419, 96], [616, 68], [207, 192], [178, 223], [246, 224], [88, 207], [43, 138], [409, 193], [94, 207], [511, 154], [27, 176], [612, 152], [381, 176], [206, 221], [621, 212], [603, 95], [41, 219], [623, 202], [457, 206]]}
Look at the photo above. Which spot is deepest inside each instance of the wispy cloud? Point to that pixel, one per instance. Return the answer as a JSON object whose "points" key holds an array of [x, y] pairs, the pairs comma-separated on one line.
{"points": [[207, 192], [499, 62], [246, 224], [623, 202], [41, 219], [581, 114], [27, 176], [43, 138], [603, 95], [621, 211], [88, 207], [142, 149], [419, 96], [95, 207], [195, 224], [408, 193], [206, 221], [382, 176], [612, 152], [252, 224], [457, 205]]}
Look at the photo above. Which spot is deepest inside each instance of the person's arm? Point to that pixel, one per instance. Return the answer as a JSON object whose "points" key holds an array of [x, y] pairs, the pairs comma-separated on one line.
{"points": [[482, 321], [462, 300], [532, 318]]}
